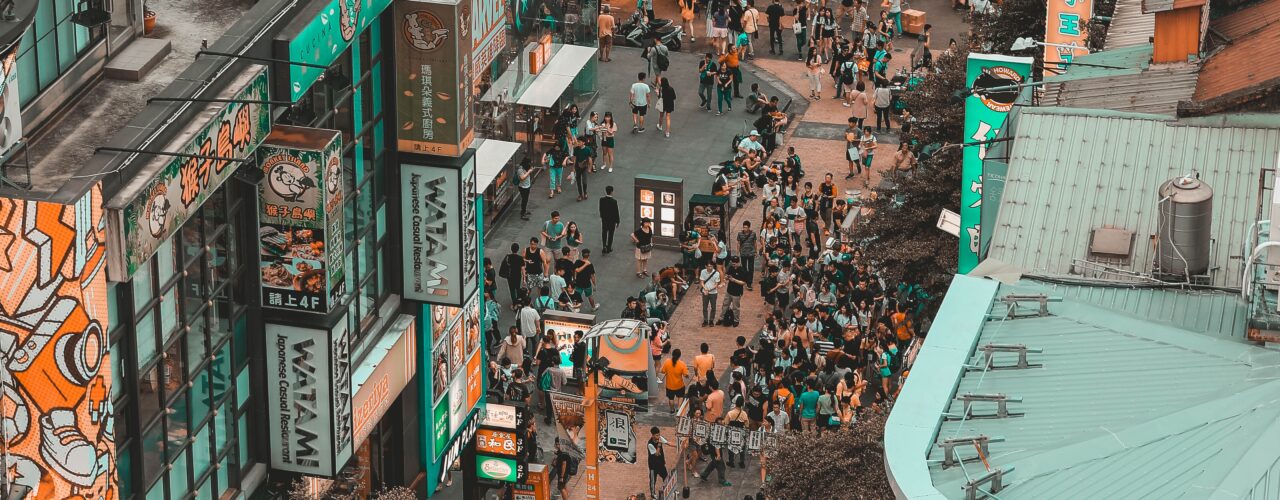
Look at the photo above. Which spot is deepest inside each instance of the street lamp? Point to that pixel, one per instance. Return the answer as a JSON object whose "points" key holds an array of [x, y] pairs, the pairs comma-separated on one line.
{"points": [[1025, 42]]}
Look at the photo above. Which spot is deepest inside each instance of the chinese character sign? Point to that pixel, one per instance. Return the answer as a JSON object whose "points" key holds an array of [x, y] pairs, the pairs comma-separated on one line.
{"points": [[995, 82], [300, 219], [433, 80], [1066, 33]]}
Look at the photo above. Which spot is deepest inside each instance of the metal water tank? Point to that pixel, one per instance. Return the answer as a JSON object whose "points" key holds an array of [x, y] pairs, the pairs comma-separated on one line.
{"points": [[1185, 221]]}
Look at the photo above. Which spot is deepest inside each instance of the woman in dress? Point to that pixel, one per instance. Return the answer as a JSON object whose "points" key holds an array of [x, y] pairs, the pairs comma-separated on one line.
{"points": [[607, 130], [667, 101], [573, 239]]}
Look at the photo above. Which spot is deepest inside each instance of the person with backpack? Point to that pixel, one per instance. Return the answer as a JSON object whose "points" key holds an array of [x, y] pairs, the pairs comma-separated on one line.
{"points": [[549, 379], [657, 460], [563, 467], [512, 270]]}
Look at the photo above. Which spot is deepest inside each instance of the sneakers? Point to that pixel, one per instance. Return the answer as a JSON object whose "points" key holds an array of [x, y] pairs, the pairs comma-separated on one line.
{"points": [[610, 169], [640, 130], [65, 449], [725, 483], [845, 104], [668, 134]]}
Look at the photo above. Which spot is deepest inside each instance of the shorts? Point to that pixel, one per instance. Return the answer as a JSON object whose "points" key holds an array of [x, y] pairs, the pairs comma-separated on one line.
{"points": [[608, 142], [606, 41], [675, 393], [586, 291], [640, 110], [719, 32], [866, 160]]}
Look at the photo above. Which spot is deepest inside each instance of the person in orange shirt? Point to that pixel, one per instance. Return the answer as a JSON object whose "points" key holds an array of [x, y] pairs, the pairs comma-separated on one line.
{"points": [[715, 401], [704, 363], [676, 375], [901, 325]]}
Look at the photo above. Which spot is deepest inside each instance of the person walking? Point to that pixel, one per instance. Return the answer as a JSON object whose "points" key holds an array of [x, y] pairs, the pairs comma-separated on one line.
{"points": [[608, 129], [643, 240], [724, 91], [686, 17], [609, 219], [605, 24], [801, 15], [675, 376], [868, 145], [666, 104], [535, 265], [715, 462], [751, 26], [553, 233], [553, 161], [582, 154], [895, 15], [774, 13], [730, 62], [639, 100], [857, 102], [584, 278], [524, 175], [737, 277], [657, 460], [513, 270], [706, 81], [710, 285], [530, 325]]}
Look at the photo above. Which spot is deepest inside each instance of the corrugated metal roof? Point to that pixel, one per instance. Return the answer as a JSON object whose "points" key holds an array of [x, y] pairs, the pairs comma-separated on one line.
{"points": [[1135, 86], [1129, 25], [1220, 314], [1248, 20], [1247, 64], [1073, 170], [1118, 408]]}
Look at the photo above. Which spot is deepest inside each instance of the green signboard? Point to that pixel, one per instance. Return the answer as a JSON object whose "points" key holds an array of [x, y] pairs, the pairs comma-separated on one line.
{"points": [[181, 185], [499, 469], [325, 38], [440, 427], [996, 82]]}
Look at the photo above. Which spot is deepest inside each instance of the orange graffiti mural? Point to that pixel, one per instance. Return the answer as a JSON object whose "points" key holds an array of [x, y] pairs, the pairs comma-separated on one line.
{"points": [[55, 373]]}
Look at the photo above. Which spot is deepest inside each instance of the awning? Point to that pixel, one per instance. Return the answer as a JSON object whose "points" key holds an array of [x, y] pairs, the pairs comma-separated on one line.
{"points": [[491, 156], [550, 83]]}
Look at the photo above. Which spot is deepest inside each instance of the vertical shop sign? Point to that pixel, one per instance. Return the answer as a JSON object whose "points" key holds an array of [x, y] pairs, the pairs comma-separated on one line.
{"points": [[300, 220], [441, 251], [488, 33], [393, 368], [309, 398], [440, 427], [145, 215], [995, 82], [11, 116], [433, 76], [57, 388], [325, 37], [1066, 33]]}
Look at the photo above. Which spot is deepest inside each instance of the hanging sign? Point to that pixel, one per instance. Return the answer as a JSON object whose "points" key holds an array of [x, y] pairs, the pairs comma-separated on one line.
{"points": [[147, 213], [325, 37], [300, 221], [389, 368], [1066, 33], [441, 240], [995, 81], [488, 33], [433, 76], [309, 398]]}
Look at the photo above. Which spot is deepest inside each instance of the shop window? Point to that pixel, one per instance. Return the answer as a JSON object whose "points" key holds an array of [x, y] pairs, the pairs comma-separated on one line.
{"points": [[124, 470], [201, 452], [224, 468], [178, 482], [178, 429], [152, 452], [157, 491], [197, 352], [117, 372]]}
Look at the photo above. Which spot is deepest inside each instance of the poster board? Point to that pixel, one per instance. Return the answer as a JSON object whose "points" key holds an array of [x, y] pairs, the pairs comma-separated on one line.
{"points": [[661, 199]]}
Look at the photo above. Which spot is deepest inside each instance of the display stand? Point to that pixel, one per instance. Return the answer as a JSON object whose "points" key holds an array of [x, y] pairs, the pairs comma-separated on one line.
{"points": [[658, 198], [709, 214]]}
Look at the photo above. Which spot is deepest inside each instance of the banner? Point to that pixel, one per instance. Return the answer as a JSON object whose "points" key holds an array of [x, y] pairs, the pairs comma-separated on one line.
{"points": [[309, 398], [148, 215], [57, 379], [995, 82], [325, 37], [616, 441], [488, 33], [300, 221], [433, 76], [441, 237], [1067, 24]]}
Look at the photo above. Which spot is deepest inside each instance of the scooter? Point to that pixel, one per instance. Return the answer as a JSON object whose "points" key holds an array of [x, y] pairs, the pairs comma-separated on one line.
{"points": [[633, 32]]}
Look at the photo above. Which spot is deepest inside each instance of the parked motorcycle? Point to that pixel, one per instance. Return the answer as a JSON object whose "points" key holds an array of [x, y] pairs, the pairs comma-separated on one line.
{"points": [[633, 31]]}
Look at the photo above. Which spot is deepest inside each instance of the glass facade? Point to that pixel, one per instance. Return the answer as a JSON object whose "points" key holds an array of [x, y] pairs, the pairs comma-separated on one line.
{"points": [[51, 46], [180, 334]]}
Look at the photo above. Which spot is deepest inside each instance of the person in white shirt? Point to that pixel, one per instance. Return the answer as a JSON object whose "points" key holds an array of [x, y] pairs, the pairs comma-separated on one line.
{"points": [[750, 143], [883, 98], [710, 283], [639, 99]]}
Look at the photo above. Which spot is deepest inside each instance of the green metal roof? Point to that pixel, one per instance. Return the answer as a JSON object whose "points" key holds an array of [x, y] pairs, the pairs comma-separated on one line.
{"points": [[1074, 170], [1118, 407], [1122, 79], [1221, 314]]}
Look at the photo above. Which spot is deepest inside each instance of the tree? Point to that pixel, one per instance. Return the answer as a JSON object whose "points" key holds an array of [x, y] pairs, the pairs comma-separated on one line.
{"points": [[901, 233], [847, 463]]}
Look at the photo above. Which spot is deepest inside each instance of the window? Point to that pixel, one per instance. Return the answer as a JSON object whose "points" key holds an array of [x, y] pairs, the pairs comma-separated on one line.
{"points": [[184, 331], [51, 47]]}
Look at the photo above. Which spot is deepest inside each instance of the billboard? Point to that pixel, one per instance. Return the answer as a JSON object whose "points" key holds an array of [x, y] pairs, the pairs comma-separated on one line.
{"points": [[300, 222], [433, 76], [995, 82], [1066, 33], [457, 370], [488, 33], [322, 39], [145, 215], [53, 319], [309, 398], [442, 241]]}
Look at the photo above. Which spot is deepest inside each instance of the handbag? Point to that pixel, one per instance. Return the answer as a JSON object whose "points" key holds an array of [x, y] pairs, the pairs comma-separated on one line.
{"points": [[645, 248]]}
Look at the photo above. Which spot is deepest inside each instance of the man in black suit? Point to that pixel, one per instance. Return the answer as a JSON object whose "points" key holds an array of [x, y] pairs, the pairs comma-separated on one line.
{"points": [[608, 218]]}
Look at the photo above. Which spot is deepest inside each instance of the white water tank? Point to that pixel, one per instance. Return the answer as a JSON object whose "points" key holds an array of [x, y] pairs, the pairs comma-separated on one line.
{"points": [[1185, 222]]}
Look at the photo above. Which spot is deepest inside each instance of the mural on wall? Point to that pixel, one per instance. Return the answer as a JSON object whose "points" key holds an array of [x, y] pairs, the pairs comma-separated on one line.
{"points": [[55, 402]]}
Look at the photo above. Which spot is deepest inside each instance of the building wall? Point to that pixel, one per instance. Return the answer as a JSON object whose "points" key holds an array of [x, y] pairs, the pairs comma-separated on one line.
{"points": [[57, 374], [1177, 35], [56, 58]]}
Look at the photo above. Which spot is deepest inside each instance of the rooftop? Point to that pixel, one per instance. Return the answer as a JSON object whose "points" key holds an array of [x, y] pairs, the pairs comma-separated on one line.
{"points": [[1197, 417], [1128, 82], [65, 147], [1072, 171], [1129, 25], [1236, 74]]}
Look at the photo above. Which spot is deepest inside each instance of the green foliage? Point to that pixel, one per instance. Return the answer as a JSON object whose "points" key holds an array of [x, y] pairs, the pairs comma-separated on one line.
{"points": [[1013, 19], [848, 463]]}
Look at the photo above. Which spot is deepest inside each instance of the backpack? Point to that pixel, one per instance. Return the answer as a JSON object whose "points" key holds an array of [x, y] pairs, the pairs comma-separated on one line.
{"points": [[661, 60], [895, 362], [847, 71]]}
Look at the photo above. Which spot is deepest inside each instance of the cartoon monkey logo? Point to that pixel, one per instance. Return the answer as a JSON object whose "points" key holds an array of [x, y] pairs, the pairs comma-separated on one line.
{"points": [[157, 210], [349, 18], [424, 31], [333, 176], [287, 177]]}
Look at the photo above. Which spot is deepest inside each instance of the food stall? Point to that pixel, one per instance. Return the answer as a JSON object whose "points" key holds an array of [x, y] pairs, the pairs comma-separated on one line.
{"points": [[709, 213]]}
